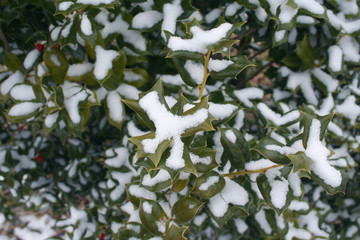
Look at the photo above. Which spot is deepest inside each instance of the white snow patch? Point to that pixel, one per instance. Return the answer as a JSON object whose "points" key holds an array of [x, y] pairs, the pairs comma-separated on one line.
{"points": [[217, 65], [201, 39], [85, 25], [103, 62], [221, 111], [171, 12], [114, 104], [79, 69], [146, 19], [22, 92], [335, 58], [13, 79], [161, 176], [245, 95], [24, 108], [209, 182], [196, 71], [30, 58]]}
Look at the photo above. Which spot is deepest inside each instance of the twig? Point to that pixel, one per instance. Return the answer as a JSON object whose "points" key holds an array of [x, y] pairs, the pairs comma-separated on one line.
{"points": [[245, 171], [260, 70], [4, 40], [206, 74]]}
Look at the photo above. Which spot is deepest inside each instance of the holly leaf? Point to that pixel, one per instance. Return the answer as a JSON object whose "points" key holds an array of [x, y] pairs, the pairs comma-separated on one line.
{"points": [[185, 209], [208, 185]]}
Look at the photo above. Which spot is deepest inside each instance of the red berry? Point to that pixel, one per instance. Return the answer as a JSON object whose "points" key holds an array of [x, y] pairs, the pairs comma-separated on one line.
{"points": [[21, 127], [57, 45], [39, 158], [39, 47], [102, 237]]}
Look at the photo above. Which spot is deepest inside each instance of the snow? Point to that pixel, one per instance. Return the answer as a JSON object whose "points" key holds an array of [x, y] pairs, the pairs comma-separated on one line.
{"points": [[24, 108], [279, 35], [95, 2], [202, 160], [63, 6], [55, 33], [171, 12], [350, 232], [55, 60], [297, 233], [348, 7], [311, 6], [232, 193], [218, 65], [161, 176], [196, 71], [51, 119], [284, 150], [350, 48], [85, 25], [79, 69], [279, 94], [221, 111], [13, 79], [199, 219], [201, 39], [147, 207], [168, 126], [349, 109], [319, 153], [66, 30], [287, 13], [230, 136], [231, 9], [172, 79], [338, 21], [140, 192], [73, 95], [296, 205], [146, 19], [114, 104], [129, 36], [103, 62], [213, 15], [311, 220], [121, 158], [240, 225], [279, 188], [246, 94], [303, 80], [209, 182], [128, 91], [275, 117], [303, 19], [30, 58], [239, 120], [261, 14], [22, 92], [330, 83], [260, 217], [295, 184], [335, 58]]}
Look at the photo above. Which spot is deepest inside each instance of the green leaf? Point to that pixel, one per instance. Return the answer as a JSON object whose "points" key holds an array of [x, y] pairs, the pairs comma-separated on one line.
{"points": [[12, 62], [151, 214], [160, 181], [61, 9], [179, 184], [300, 162], [208, 185], [185, 209], [57, 63], [240, 63], [273, 156], [205, 158], [136, 76], [175, 233], [185, 75], [307, 119], [332, 190], [237, 152], [222, 46], [265, 189], [16, 113], [114, 109], [306, 53]]}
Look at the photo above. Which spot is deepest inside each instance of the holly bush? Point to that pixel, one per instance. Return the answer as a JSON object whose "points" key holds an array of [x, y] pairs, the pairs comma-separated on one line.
{"points": [[182, 119]]}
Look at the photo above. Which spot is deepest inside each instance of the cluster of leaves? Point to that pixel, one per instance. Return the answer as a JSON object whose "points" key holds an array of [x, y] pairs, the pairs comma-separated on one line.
{"points": [[251, 130]]}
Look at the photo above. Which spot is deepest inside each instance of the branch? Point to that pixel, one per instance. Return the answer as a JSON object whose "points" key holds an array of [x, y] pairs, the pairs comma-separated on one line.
{"points": [[4, 40], [206, 74], [245, 172]]}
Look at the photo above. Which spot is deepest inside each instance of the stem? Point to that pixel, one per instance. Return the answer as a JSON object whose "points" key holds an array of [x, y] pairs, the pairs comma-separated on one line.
{"points": [[259, 71], [206, 74], [341, 36], [4, 40], [244, 172]]}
